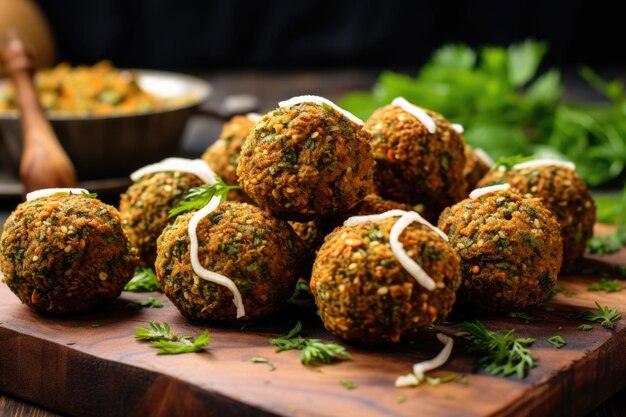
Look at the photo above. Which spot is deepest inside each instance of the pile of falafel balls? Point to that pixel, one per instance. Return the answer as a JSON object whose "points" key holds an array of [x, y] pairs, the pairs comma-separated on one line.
{"points": [[349, 207]]}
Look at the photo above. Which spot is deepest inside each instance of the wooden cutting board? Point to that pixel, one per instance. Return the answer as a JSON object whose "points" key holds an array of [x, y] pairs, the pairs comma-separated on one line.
{"points": [[90, 365]]}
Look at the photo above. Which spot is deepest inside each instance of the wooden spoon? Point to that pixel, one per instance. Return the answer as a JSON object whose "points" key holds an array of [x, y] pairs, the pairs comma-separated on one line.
{"points": [[44, 163]]}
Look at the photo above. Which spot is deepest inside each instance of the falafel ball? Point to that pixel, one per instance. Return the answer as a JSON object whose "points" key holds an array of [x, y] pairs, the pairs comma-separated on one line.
{"points": [[415, 163], [364, 294], [145, 207], [477, 165], [65, 253], [310, 234], [258, 252], [563, 192], [510, 249], [223, 155], [306, 160]]}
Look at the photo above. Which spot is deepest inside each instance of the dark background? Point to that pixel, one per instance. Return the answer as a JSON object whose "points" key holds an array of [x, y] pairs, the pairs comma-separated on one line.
{"points": [[229, 34]]}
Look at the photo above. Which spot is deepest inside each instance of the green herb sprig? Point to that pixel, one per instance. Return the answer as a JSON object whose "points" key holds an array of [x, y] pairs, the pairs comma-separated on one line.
{"points": [[168, 343], [500, 353], [313, 350], [198, 197], [144, 280], [148, 302], [606, 285], [349, 385], [605, 316], [557, 341], [611, 243]]}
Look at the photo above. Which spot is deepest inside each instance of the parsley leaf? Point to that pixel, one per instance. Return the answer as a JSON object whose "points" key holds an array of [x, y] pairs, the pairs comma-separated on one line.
{"points": [[500, 354], [348, 384], [557, 342], [313, 350], [168, 343], [144, 280], [605, 316], [148, 302], [606, 285], [198, 197]]}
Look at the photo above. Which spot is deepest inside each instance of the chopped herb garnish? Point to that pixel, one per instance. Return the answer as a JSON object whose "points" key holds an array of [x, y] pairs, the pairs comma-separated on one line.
{"points": [[400, 399], [500, 354], [611, 243], [313, 350], [144, 280], [585, 327], [605, 316], [95, 325], [260, 359], [303, 288], [148, 302], [198, 197], [437, 381], [508, 162], [168, 343], [606, 285], [348, 384], [522, 316], [464, 379], [557, 342]]}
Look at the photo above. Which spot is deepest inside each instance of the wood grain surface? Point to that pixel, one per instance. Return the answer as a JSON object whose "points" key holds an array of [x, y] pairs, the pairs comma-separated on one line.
{"points": [[90, 364]]}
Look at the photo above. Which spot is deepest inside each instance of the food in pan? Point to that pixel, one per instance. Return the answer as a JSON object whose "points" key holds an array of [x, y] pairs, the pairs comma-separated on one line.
{"points": [[477, 164], [157, 189], [510, 249], [228, 262], [64, 251], [561, 191], [419, 157], [98, 90], [379, 278], [306, 159]]}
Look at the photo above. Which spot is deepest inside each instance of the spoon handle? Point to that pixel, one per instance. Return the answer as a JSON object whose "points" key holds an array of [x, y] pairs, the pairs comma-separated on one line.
{"points": [[44, 163]]}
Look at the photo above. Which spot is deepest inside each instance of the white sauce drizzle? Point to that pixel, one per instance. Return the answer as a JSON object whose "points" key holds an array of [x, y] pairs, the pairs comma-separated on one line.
{"points": [[406, 218], [483, 156], [545, 162], [319, 101], [202, 272], [200, 169], [458, 127], [420, 368], [47, 192], [197, 167], [421, 115], [254, 117], [487, 190]]}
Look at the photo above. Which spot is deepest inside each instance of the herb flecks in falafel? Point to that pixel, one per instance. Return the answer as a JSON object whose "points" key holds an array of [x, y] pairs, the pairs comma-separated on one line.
{"points": [[158, 188], [510, 249], [306, 160], [64, 251], [363, 292], [414, 163], [240, 249], [561, 190]]}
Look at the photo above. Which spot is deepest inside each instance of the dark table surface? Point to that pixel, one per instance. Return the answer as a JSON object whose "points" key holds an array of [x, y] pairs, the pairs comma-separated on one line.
{"points": [[269, 89]]}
